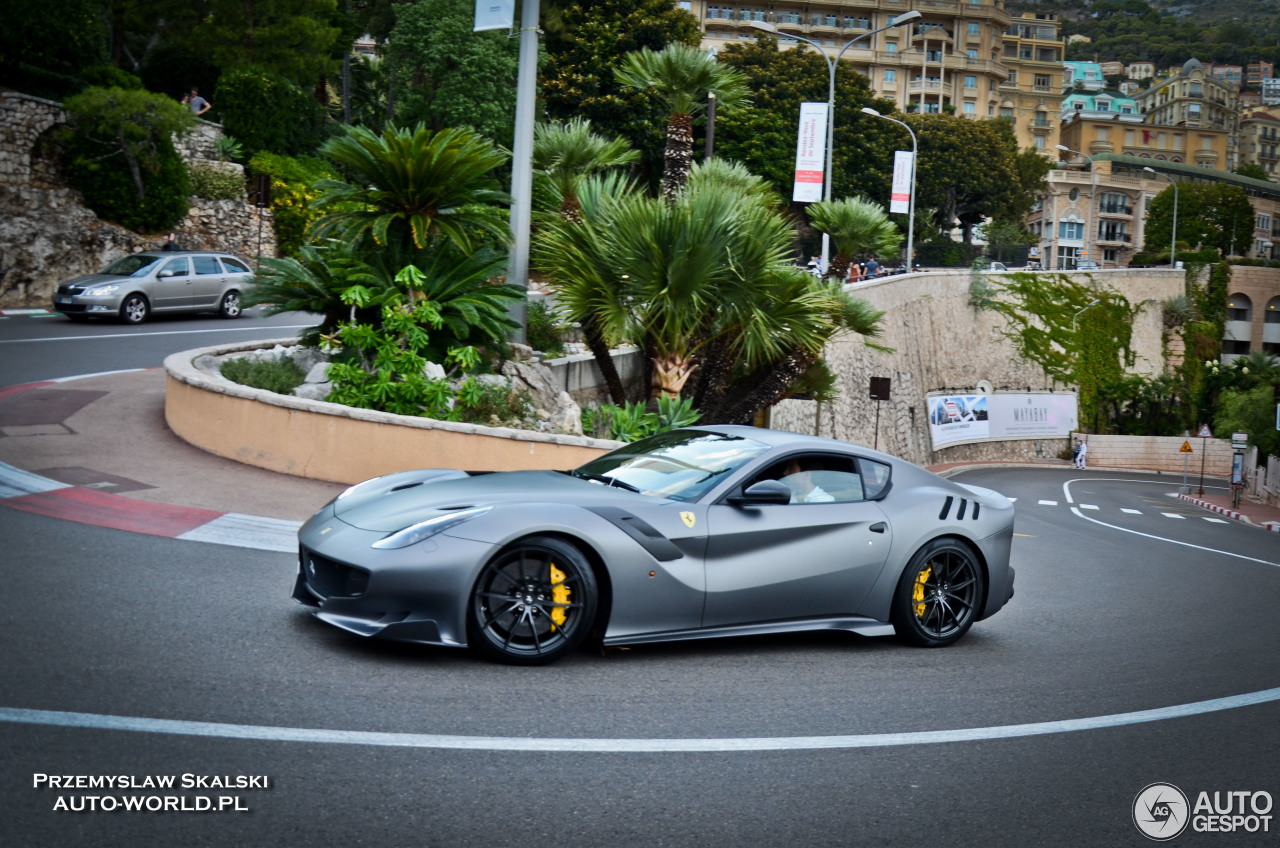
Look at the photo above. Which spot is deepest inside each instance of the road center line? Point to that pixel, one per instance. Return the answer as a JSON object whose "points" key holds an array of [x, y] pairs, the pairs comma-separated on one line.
{"points": [[92, 721]]}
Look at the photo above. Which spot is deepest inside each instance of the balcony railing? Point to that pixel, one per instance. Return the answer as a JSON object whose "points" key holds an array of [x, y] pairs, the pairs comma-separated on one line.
{"points": [[1115, 209], [1118, 237]]}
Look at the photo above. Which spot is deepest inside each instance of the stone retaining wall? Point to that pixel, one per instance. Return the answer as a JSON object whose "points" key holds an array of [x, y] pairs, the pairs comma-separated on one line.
{"points": [[327, 441], [1160, 453]]}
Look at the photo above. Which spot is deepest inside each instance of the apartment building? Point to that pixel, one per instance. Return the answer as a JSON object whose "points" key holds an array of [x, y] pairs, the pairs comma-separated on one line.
{"points": [[1233, 74], [1031, 97], [1260, 140], [1141, 70], [1202, 107], [1256, 72], [1083, 76], [949, 60]]}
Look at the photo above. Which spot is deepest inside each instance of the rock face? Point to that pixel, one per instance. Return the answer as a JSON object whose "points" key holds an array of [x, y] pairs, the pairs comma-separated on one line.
{"points": [[48, 236], [562, 413]]}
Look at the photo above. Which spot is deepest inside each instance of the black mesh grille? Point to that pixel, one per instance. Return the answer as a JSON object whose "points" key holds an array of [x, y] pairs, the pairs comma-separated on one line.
{"points": [[332, 579]]}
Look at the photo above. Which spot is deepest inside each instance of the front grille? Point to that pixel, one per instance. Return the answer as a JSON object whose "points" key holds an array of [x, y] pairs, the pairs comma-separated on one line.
{"points": [[70, 307], [332, 579], [69, 289]]}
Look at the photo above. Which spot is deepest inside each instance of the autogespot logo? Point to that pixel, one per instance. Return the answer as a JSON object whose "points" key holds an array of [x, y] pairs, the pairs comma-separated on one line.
{"points": [[1160, 811]]}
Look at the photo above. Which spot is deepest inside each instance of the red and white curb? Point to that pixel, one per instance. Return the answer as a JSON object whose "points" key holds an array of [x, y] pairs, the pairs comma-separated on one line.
{"points": [[32, 493], [1273, 526]]}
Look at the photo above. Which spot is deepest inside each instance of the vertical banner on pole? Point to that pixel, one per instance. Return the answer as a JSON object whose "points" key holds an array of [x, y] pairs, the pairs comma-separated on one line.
{"points": [[811, 152], [495, 14], [900, 194]]}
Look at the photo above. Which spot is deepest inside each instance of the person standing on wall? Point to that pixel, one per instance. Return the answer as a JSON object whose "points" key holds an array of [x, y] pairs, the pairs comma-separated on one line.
{"points": [[198, 104]]}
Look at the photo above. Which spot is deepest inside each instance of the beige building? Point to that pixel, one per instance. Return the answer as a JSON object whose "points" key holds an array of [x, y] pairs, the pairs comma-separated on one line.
{"points": [[1260, 140], [1141, 70], [948, 61], [1253, 313], [1031, 97], [1202, 107]]}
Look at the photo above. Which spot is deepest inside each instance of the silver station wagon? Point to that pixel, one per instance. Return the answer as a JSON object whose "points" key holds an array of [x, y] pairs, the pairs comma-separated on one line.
{"points": [[158, 281]]}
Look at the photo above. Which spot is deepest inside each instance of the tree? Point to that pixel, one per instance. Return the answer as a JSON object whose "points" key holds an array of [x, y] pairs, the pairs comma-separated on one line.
{"points": [[705, 284], [128, 132], [1209, 215], [45, 46], [1252, 411], [294, 38], [450, 76], [1254, 171], [683, 77], [762, 134], [265, 111], [566, 154], [410, 187], [578, 80], [856, 226]]}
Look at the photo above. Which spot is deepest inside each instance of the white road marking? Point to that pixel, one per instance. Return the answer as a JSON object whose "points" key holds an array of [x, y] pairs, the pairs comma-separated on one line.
{"points": [[1131, 511], [251, 328], [1048, 503], [248, 531], [1174, 515], [1087, 506], [623, 746], [1214, 520]]}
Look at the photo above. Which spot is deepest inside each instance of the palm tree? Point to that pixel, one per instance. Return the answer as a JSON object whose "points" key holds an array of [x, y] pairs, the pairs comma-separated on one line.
{"points": [[566, 154], [706, 285], [315, 282], [682, 76], [411, 186], [856, 225]]}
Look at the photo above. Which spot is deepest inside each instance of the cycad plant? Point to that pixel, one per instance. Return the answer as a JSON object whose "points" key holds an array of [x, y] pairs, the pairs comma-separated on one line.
{"points": [[410, 187], [682, 77], [566, 154]]}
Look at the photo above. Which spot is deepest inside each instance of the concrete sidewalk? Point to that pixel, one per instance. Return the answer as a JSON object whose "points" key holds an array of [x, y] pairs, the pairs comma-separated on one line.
{"points": [[96, 449]]}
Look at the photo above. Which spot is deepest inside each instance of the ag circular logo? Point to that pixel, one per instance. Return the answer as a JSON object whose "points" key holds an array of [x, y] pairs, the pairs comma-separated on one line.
{"points": [[1161, 811]]}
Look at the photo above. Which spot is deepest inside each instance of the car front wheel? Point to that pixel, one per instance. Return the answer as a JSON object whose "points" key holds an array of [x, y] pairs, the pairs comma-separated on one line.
{"points": [[533, 602], [135, 309], [938, 594], [230, 306]]}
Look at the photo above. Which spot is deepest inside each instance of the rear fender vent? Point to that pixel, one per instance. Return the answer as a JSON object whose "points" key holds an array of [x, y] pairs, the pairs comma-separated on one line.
{"points": [[960, 513]]}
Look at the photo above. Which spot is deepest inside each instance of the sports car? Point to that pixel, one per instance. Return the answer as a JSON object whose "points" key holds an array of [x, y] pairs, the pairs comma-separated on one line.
{"points": [[694, 533]]}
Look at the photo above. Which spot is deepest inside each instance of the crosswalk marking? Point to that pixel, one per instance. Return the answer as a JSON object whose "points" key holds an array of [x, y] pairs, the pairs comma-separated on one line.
{"points": [[1048, 503], [1131, 511], [1173, 515], [1214, 520], [1087, 506]]}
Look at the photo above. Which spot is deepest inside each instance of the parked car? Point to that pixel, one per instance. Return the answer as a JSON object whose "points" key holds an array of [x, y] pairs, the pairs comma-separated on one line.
{"points": [[1087, 265], [696, 533], [997, 266], [158, 281]]}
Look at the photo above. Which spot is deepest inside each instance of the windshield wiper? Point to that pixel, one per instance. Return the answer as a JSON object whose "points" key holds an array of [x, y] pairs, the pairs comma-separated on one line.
{"points": [[608, 481]]}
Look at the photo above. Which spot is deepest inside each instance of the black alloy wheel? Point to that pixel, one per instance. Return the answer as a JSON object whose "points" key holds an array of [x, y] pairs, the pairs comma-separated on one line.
{"points": [[938, 594], [533, 602]]}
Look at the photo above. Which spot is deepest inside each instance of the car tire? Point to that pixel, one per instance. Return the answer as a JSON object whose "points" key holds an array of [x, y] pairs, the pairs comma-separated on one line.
{"points": [[534, 602], [230, 305], [938, 595], [134, 309]]}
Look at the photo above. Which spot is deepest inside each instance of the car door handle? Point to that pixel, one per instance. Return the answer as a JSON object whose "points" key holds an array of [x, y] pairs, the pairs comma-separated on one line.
{"points": [[879, 527]]}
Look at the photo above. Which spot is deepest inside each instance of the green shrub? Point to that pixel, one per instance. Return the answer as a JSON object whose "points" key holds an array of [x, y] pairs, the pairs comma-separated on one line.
{"points": [[215, 183], [630, 422], [544, 330], [109, 190], [268, 112], [490, 404], [280, 376]]}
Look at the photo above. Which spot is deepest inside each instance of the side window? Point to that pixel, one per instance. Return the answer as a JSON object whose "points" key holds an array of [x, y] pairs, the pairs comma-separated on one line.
{"points": [[177, 266], [206, 264], [875, 477], [235, 266], [817, 478]]}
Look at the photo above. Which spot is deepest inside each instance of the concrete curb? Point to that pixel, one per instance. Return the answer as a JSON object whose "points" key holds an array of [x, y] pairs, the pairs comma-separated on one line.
{"points": [[1271, 526]]}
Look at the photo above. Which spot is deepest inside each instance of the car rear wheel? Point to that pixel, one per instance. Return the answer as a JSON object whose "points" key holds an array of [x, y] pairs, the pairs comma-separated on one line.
{"points": [[938, 594], [533, 602], [135, 309], [230, 306]]}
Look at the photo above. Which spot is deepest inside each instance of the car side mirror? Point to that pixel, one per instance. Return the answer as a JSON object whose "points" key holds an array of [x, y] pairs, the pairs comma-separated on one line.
{"points": [[165, 273], [762, 494]]}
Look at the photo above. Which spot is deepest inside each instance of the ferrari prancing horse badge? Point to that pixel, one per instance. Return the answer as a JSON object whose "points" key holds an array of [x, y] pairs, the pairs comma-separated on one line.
{"points": [[688, 518]]}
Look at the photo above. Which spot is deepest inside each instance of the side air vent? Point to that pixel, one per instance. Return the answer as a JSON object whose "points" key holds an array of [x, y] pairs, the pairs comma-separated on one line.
{"points": [[960, 514], [946, 508], [964, 507]]}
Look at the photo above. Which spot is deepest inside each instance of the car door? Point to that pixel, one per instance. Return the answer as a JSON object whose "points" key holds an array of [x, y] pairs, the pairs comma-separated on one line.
{"points": [[816, 557], [208, 282], [172, 286]]}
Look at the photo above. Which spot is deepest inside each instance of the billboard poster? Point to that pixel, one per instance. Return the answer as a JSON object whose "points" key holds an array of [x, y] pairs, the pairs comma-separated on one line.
{"points": [[811, 153], [900, 193], [958, 419], [495, 14]]}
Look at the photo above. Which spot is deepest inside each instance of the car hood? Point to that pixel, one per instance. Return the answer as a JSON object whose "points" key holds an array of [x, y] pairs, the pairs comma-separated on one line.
{"points": [[393, 502], [95, 280]]}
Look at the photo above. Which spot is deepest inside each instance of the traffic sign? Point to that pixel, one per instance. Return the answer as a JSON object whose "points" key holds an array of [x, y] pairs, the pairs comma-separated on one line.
{"points": [[1186, 448], [1204, 433]]}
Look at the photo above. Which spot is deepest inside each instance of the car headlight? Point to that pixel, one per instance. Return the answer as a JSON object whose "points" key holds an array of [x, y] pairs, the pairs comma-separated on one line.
{"points": [[415, 533], [101, 291]]}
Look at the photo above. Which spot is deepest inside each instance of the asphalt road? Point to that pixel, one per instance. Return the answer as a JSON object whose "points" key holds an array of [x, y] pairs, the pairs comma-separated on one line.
{"points": [[1127, 602]]}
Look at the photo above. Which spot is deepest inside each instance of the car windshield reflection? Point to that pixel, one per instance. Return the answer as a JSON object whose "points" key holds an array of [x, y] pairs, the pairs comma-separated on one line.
{"points": [[682, 465], [137, 265]]}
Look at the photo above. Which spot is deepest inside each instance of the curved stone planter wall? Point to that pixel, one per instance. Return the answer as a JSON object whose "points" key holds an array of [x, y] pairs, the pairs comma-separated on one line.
{"points": [[327, 441]]}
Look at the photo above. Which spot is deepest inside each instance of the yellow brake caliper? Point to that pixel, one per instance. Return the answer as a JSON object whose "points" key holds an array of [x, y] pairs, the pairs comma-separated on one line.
{"points": [[559, 594], [917, 595]]}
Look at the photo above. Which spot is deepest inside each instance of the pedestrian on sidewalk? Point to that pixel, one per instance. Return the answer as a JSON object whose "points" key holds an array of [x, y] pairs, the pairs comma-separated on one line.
{"points": [[1082, 451]]}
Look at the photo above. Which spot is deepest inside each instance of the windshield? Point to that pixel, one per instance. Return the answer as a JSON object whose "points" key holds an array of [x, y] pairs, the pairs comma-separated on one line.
{"points": [[131, 266], [682, 465]]}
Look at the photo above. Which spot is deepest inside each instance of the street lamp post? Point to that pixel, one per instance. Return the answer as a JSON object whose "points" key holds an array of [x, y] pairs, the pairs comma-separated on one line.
{"points": [[911, 202], [1173, 242], [1089, 306], [906, 17], [1089, 241]]}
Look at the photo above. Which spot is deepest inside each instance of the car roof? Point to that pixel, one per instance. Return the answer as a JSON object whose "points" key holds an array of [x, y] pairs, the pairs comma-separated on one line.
{"points": [[787, 439]]}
